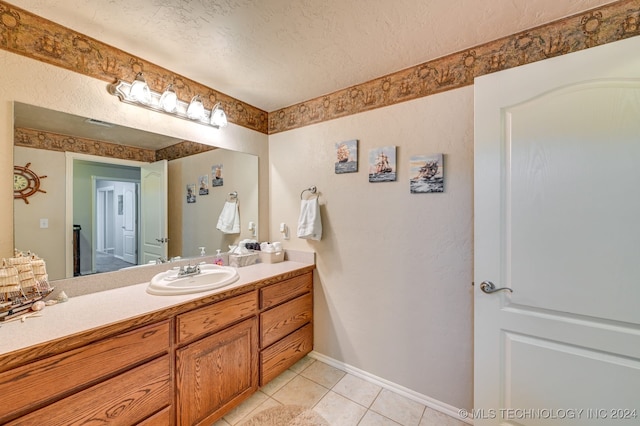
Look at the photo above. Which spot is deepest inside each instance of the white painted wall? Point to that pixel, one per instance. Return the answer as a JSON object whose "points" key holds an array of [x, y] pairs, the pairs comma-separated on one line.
{"points": [[393, 293]]}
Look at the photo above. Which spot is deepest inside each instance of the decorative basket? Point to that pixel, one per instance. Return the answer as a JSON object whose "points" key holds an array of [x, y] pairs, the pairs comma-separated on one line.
{"points": [[275, 257]]}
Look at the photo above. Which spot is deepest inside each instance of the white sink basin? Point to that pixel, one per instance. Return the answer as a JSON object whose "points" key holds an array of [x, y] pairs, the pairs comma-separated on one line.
{"points": [[210, 277]]}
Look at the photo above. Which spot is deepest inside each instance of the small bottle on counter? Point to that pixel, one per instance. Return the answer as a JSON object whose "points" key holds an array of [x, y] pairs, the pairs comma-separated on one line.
{"points": [[218, 260]]}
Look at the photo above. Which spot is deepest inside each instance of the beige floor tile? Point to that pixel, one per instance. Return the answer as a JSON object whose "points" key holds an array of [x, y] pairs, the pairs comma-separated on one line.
{"points": [[221, 422], [323, 374], [274, 385], [357, 389], [398, 408], [269, 403], [338, 410], [435, 418], [374, 419], [242, 410], [300, 391], [299, 366]]}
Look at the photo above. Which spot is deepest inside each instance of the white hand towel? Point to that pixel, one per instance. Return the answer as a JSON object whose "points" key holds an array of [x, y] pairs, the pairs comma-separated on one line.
{"points": [[229, 220], [310, 223]]}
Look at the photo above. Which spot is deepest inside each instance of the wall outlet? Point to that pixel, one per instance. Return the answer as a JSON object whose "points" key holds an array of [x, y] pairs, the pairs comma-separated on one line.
{"points": [[44, 223]]}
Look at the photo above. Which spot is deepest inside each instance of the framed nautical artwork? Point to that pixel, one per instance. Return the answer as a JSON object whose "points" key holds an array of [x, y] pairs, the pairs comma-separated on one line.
{"points": [[191, 193], [216, 175], [426, 173], [204, 185], [382, 164], [347, 156]]}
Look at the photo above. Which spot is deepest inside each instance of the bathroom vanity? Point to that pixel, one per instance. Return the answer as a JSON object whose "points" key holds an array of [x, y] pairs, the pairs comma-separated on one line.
{"points": [[164, 360]]}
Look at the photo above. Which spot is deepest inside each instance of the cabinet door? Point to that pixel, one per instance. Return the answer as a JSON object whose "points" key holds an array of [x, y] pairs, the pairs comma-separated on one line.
{"points": [[216, 373]]}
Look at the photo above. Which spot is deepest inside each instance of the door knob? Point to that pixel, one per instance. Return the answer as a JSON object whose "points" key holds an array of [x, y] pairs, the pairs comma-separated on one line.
{"points": [[488, 287]]}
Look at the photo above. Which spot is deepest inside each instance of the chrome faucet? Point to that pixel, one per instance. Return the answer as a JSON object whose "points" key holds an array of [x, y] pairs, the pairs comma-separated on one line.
{"points": [[188, 270]]}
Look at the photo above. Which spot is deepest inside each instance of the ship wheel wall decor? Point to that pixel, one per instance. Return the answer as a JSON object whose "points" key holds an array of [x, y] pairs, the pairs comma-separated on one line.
{"points": [[25, 182]]}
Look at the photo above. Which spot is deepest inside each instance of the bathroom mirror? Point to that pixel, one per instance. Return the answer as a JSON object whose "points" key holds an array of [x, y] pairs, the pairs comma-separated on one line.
{"points": [[106, 192]]}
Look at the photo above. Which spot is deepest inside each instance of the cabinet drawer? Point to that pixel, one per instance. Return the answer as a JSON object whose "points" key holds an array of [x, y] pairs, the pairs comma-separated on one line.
{"points": [[123, 400], [217, 316], [283, 354], [163, 418], [43, 381], [282, 320], [277, 293]]}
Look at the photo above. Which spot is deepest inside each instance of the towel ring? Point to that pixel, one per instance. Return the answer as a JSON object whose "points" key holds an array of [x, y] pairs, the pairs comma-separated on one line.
{"points": [[233, 196], [311, 189]]}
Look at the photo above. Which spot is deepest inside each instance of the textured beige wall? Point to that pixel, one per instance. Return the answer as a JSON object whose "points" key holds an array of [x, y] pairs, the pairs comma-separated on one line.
{"points": [[394, 295], [47, 243], [37, 83], [194, 225]]}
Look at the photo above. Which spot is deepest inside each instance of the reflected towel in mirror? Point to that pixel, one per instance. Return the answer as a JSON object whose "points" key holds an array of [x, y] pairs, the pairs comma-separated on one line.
{"points": [[229, 220]]}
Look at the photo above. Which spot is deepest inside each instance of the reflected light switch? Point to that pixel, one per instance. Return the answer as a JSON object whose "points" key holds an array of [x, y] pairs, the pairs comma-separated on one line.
{"points": [[44, 223]]}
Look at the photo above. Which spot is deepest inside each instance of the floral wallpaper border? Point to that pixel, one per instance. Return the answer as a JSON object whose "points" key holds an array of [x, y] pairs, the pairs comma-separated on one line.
{"points": [[57, 142], [26, 34]]}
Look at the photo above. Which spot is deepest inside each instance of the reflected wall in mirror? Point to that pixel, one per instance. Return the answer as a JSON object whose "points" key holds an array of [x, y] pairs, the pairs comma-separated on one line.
{"points": [[106, 193]]}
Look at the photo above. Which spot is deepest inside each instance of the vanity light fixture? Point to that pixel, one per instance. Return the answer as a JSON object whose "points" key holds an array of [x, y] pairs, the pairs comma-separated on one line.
{"points": [[138, 93]]}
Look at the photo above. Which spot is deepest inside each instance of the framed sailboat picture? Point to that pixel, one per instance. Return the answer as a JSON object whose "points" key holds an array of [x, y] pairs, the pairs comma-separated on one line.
{"points": [[216, 175], [347, 156], [426, 173], [382, 164], [191, 193], [204, 185]]}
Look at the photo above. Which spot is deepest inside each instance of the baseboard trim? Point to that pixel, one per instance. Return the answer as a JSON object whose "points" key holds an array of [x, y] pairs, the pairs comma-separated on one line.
{"points": [[432, 403]]}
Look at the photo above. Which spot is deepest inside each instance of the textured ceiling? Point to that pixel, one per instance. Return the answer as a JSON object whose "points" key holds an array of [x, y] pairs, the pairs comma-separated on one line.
{"points": [[276, 53]]}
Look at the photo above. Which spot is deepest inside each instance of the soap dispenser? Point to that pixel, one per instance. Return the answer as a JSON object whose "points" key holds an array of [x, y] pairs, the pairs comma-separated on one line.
{"points": [[218, 260]]}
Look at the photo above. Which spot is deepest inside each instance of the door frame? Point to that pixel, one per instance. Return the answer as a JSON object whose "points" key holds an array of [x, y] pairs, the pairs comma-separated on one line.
{"points": [[70, 157]]}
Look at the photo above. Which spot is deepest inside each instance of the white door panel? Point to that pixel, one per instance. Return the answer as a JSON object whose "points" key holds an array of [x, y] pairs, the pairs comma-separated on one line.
{"points": [[557, 221], [129, 228], [153, 211], [574, 164]]}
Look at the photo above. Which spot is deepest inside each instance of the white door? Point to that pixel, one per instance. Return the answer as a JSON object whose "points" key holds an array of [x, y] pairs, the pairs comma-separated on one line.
{"points": [[129, 222], [153, 211], [557, 221]]}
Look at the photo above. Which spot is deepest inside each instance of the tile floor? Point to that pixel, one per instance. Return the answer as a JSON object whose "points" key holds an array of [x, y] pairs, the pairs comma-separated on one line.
{"points": [[341, 398]]}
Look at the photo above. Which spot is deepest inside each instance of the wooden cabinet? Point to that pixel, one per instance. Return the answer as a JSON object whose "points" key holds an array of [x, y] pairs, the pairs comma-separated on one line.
{"points": [[186, 365], [218, 371], [94, 383], [286, 325], [126, 399]]}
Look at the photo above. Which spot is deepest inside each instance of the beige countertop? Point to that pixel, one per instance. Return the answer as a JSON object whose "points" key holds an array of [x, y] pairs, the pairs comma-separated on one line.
{"points": [[101, 308]]}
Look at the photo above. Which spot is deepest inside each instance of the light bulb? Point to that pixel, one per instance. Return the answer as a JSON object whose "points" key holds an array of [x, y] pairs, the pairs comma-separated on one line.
{"points": [[169, 99], [195, 111], [140, 90], [218, 117]]}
